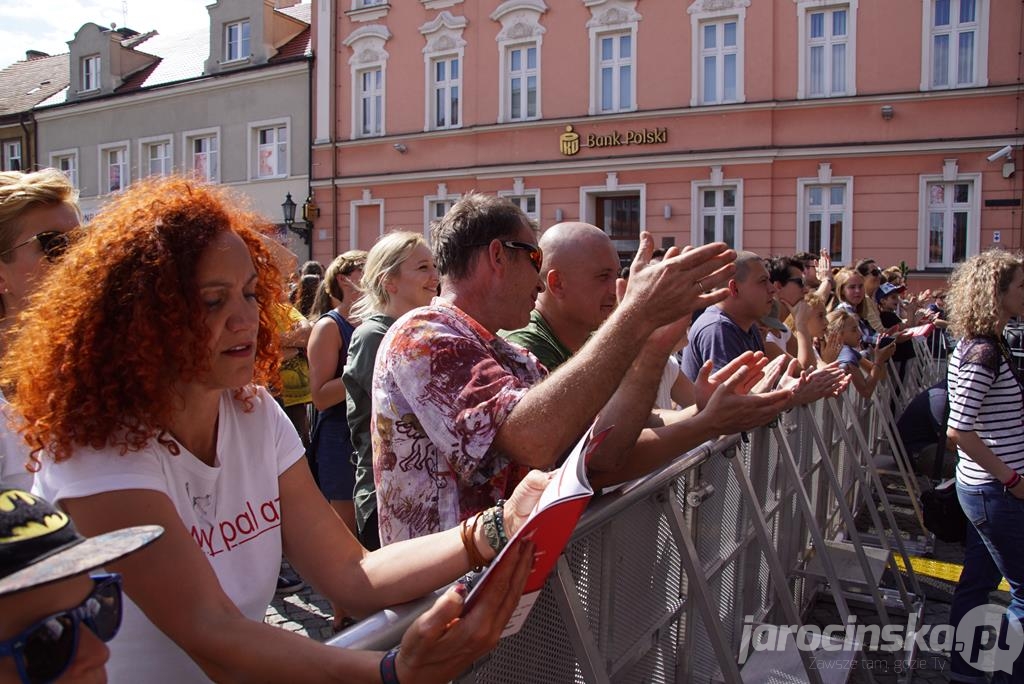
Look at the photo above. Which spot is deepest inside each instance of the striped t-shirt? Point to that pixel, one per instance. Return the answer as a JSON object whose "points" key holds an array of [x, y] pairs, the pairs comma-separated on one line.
{"points": [[988, 402]]}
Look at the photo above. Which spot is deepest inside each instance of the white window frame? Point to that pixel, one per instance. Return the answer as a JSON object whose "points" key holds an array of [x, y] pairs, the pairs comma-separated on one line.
{"points": [[444, 42], [276, 125], [13, 150], [520, 29], [981, 20], [90, 72], [718, 184], [103, 187], [803, 11], [367, 200], [523, 74], [445, 89], [369, 100], [145, 145], [188, 156], [950, 176], [825, 178], [612, 18], [716, 11], [71, 154], [368, 10], [442, 196], [520, 195], [367, 45], [243, 53]]}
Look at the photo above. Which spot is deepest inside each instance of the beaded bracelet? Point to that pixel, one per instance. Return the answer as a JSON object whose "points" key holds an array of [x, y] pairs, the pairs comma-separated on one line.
{"points": [[491, 530], [389, 668], [499, 522]]}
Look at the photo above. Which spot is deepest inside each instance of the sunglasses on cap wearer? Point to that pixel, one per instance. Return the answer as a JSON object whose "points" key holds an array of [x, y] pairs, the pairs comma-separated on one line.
{"points": [[798, 281], [44, 651], [533, 251], [53, 243], [871, 271]]}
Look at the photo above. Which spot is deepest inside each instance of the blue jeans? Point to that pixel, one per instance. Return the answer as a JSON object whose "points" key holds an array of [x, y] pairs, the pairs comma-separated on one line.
{"points": [[994, 548]]}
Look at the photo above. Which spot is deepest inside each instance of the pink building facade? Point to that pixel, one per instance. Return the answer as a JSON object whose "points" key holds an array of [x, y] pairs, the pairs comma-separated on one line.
{"points": [[868, 128]]}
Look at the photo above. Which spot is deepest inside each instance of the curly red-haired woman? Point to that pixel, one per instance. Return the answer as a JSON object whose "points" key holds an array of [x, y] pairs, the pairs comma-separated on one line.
{"points": [[143, 403]]}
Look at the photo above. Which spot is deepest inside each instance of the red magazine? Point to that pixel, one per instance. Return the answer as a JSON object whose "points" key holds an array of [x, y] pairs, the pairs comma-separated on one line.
{"points": [[549, 526]]}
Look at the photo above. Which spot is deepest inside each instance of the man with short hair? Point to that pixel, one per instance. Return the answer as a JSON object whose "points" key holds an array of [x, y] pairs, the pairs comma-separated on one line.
{"points": [[725, 331], [458, 413], [787, 277], [579, 271]]}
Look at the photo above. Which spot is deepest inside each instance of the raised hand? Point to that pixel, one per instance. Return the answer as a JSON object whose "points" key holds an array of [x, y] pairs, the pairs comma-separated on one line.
{"points": [[731, 409], [772, 372], [752, 363], [444, 642]]}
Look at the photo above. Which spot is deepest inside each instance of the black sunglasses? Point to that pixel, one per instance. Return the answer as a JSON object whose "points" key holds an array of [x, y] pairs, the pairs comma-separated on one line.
{"points": [[53, 243], [44, 651], [798, 281], [533, 251], [872, 271]]}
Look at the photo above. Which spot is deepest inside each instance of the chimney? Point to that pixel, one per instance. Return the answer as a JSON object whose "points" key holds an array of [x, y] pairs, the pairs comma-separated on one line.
{"points": [[34, 54], [281, 4]]}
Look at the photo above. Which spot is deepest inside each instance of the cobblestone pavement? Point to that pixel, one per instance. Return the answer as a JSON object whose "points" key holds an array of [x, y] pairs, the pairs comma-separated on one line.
{"points": [[304, 612]]}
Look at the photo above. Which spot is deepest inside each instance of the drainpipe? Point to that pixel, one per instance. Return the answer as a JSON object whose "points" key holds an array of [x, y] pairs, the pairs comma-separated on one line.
{"points": [[309, 141], [28, 158], [334, 133]]}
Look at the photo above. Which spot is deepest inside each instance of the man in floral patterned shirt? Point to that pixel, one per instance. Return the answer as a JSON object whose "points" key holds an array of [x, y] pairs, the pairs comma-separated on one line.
{"points": [[459, 414]]}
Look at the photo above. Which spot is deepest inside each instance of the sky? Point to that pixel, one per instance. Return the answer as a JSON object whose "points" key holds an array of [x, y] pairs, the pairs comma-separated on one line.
{"points": [[48, 26]]}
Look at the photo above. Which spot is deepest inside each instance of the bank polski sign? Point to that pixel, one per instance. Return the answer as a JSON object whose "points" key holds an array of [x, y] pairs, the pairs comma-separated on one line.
{"points": [[571, 142]]}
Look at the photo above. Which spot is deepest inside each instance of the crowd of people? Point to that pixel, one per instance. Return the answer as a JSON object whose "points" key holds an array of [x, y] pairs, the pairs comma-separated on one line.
{"points": [[386, 423]]}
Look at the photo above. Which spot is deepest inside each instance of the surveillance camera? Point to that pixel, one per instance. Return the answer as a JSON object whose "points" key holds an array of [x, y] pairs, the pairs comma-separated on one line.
{"points": [[1001, 152]]}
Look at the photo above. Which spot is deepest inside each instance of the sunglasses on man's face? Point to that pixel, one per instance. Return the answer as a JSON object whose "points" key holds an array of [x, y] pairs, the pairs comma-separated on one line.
{"points": [[533, 251], [44, 651], [53, 243], [798, 281]]}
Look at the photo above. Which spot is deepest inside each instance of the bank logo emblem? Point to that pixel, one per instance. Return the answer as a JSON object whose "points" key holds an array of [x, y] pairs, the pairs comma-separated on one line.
{"points": [[569, 142]]}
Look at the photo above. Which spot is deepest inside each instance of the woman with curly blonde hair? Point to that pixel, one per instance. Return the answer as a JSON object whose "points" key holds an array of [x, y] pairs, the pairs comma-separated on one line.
{"points": [[986, 401], [38, 212], [143, 403]]}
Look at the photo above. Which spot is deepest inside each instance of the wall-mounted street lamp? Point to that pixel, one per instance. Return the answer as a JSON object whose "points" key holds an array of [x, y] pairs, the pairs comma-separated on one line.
{"points": [[309, 209]]}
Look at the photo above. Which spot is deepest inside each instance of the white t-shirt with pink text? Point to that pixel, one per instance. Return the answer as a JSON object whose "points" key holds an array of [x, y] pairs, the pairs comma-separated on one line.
{"points": [[232, 510]]}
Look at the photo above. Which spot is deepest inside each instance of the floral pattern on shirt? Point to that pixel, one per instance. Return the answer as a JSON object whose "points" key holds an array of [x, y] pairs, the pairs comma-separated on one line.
{"points": [[442, 387]]}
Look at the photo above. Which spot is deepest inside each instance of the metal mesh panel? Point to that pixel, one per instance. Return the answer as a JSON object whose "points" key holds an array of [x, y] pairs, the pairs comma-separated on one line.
{"points": [[585, 557], [646, 569], [540, 652], [659, 665]]}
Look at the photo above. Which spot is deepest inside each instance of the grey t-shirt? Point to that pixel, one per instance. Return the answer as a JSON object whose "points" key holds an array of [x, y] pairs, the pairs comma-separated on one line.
{"points": [[715, 336]]}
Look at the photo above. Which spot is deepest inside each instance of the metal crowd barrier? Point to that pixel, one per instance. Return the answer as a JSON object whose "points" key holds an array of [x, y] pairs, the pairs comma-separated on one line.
{"points": [[660, 574]]}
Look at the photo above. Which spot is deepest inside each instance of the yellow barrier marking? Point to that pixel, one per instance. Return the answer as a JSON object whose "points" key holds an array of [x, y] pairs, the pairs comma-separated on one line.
{"points": [[943, 570]]}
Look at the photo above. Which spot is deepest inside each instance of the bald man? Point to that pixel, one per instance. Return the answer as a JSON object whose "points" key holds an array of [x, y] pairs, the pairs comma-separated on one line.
{"points": [[579, 270]]}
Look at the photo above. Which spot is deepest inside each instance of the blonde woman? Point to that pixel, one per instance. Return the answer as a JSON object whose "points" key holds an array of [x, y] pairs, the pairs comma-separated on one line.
{"points": [[37, 211], [326, 351], [399, 277], [985, 406]]}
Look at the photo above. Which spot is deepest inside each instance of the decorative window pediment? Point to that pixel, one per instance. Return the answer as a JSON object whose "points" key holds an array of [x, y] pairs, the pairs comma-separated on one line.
{"points": [[606, 14], [444, 33], [367, 44]]}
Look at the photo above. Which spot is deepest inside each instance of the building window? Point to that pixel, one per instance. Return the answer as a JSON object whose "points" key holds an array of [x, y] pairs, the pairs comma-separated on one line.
{"points": [[719, 54], [826, 214], [615, 72], [828, 58], [436, 206], [446, 105], [950, 220], [202, 154], [717, 34], [368, 64], [12, 155], [443, 58], [236, 41], [718, 214], [371, 101], [90, 73], [619, 217], [114, 167], [271, 144], [67, 162], [359, 4], [519, 55], [955, 44], [522, 82], [157, 156]]}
